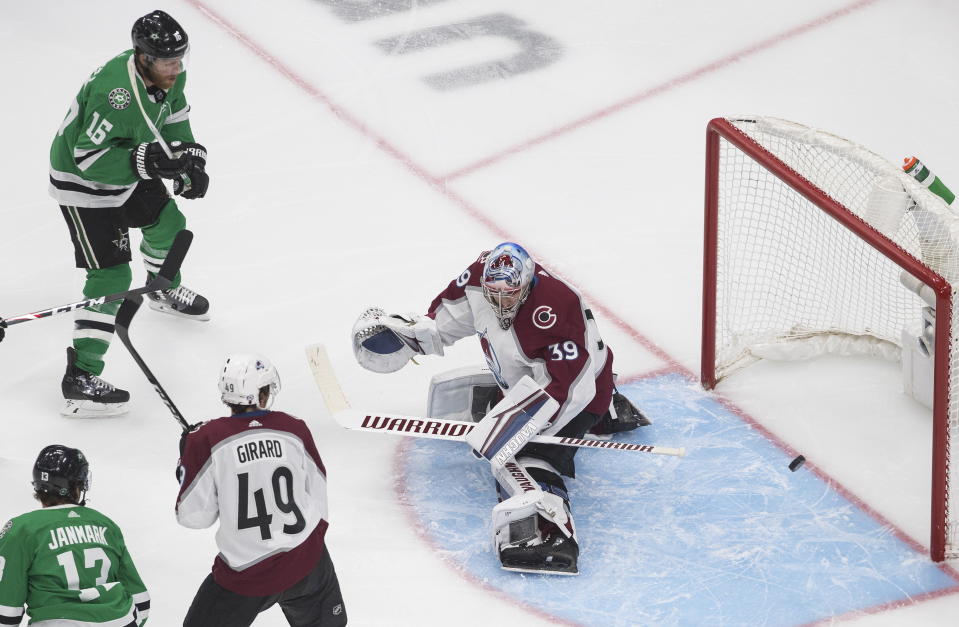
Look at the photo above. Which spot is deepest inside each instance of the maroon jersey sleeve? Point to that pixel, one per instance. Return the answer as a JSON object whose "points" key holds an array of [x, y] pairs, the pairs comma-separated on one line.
{"points": [[552, 326], [451, 309], [456, 290]]}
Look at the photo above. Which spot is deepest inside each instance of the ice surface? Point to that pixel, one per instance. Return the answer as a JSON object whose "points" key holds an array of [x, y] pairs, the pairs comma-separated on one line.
{"points": [[340, 179]]}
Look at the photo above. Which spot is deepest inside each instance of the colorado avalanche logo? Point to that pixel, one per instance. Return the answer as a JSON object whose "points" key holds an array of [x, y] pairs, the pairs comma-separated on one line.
{"points": [[506, 269], [543, 317], [492, 361]]}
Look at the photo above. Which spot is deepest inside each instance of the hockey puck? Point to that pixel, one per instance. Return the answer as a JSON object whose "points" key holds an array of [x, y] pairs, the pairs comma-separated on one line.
{"points": [[797, 463]]}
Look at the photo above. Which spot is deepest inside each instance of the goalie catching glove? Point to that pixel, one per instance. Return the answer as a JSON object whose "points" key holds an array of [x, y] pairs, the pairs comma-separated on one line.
{"points": [[386, 342]]}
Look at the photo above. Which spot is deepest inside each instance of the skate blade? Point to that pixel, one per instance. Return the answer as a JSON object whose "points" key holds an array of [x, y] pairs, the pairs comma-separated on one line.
{"points": [[74, 408], [539, 571], [155, 306]]}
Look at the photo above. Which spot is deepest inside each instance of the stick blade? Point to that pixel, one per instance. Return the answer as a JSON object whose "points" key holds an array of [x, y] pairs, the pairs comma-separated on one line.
{"points": [[325, 378], [175, 256], [129, 308]]}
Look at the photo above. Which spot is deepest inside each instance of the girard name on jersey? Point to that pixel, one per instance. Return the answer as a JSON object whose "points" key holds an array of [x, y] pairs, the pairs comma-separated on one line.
{"points": [[76, 534], [259, 449]]}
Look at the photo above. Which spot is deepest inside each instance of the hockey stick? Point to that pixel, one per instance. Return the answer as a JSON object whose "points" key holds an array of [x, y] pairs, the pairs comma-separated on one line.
{"points": [[124, 317], [434, 428], [163, 280], [131, 71]]}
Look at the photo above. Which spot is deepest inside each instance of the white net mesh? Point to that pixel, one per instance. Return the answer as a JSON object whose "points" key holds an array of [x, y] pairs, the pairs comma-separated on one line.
{"points": [[792, 281]]}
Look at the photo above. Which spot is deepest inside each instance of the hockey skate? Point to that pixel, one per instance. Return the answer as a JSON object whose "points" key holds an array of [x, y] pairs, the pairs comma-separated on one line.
{"points": [[623, 416], [180, 301], [88, 396], [537, 546]]}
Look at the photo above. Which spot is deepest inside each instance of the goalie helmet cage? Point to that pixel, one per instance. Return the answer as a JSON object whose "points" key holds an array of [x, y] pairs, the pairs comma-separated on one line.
{"points": [[794, 267]]}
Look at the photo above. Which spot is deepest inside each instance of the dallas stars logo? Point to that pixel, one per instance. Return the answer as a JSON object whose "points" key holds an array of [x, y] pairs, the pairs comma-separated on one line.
{"points": [[119, 98], [123, 243]]}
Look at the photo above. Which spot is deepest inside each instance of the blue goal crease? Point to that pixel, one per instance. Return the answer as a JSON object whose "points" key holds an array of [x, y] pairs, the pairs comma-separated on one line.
{"points": [[725, 536]]}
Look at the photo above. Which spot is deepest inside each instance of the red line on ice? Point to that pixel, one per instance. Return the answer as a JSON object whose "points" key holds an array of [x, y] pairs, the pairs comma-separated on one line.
{"points": [[657, 90]]}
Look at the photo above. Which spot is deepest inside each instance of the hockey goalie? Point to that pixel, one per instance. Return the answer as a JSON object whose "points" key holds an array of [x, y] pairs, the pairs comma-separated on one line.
{"points": [[549, 372]]}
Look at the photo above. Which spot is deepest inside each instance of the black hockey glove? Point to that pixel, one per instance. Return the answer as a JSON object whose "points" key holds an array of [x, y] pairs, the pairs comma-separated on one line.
{"points": [[150, 162], [194, 156], [186, 432], [180, 469]]}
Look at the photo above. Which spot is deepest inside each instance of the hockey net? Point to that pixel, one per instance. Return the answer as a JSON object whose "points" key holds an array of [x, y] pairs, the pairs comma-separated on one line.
{"points": [[807, 236]]}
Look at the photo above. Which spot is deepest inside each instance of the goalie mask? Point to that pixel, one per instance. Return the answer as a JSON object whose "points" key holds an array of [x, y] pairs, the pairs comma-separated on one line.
{"points": [[507, 278], [243, 377]]}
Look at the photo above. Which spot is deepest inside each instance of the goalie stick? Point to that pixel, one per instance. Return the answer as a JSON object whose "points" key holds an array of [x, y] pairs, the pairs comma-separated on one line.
{"points": [[163, 280], [434, 428], [127, 310]]}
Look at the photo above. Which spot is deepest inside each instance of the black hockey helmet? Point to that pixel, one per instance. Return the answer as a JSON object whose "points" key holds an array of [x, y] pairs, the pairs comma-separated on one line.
{"points": [[160, 36], [59, 470]]}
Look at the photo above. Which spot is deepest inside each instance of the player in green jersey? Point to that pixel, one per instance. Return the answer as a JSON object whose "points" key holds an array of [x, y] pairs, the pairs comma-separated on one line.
{"points": [[67, 563], [127, 129]]}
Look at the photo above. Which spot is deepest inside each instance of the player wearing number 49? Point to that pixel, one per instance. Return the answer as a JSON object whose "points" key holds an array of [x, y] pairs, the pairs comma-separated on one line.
{"points": [[258, 471], [541, 343], [107, 162], [66, 562]]}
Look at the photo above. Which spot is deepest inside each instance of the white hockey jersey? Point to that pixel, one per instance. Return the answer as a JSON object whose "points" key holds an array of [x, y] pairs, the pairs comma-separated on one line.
{"points": [[261, 475]]}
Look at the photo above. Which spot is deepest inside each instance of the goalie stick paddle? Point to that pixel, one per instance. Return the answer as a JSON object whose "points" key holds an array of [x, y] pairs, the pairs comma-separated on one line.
{"points": [[171, 265], [127, 310], [433, 428]]}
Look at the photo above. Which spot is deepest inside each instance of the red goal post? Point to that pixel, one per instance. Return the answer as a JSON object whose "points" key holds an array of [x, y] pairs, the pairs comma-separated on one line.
{"points": [[806, 238]]}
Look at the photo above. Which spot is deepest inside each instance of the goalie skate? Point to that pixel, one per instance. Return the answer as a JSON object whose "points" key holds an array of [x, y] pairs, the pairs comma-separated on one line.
{"points": [[538, 547], [88, 396], [622, 416], [182, 302]]}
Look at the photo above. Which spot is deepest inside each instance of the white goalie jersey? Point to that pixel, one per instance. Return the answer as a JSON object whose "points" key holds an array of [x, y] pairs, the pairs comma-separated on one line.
{"points": [[261, 475]]}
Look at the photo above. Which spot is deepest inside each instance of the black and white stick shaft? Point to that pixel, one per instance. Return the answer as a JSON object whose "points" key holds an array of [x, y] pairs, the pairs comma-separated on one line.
{"points": [[171, 265], [127, 310]]}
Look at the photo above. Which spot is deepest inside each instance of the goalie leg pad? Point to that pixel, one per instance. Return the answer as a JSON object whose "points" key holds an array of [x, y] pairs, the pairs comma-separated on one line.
{"points": [[462, 394], [533, 532], [561, 457], [524, 412]]}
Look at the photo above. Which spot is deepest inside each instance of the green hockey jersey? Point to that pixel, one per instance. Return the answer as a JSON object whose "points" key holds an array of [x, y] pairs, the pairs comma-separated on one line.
{"points": [[90, 157], [68, 564]]}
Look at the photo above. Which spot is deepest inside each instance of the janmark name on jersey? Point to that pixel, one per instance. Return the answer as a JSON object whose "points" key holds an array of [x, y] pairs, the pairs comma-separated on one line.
{"points": [[252, 451], [75, 534]]}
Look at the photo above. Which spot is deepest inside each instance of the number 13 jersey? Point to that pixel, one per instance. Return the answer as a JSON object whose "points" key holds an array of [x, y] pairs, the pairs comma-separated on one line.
{"points": [[261, 474]]}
